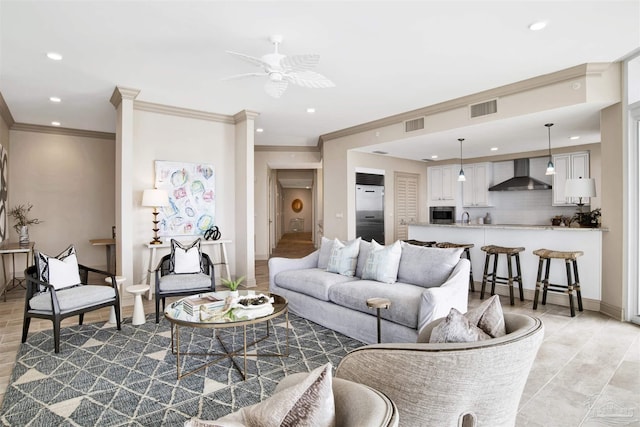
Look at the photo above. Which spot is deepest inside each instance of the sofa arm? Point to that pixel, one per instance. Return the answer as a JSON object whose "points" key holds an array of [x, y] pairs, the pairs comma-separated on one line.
{"points": [[436, 302], [278, 264]]}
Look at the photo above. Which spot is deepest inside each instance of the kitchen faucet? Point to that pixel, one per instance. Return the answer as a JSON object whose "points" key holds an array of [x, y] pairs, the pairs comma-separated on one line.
{"points": [[462, 218]]}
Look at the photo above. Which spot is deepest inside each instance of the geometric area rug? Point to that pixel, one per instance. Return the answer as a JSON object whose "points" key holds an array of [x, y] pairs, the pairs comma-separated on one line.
{"points": [[106, 377]]}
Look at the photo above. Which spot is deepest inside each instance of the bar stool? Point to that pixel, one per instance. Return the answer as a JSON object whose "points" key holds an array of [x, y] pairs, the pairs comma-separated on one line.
{"points": [[420, 242], [570, 258], [495, 251], [466, 252]]}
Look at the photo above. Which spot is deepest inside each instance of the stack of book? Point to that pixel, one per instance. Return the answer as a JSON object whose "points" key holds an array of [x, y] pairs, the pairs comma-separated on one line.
{"points": [[191, 305]]}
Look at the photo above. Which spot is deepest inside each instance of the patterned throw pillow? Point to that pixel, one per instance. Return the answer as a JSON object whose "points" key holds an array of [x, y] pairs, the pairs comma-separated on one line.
{"points": [[489, 317], [185, 258], [344, 258], [306, 404], [61, 271], [457, 328], [382, 262]]}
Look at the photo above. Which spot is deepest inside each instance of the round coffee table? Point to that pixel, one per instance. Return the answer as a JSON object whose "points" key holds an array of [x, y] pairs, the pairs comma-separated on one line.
{"points": [[176, 314]]}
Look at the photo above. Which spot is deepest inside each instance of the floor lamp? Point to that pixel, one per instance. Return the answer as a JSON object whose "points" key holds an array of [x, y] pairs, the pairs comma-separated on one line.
{"points": [[155, 198]]}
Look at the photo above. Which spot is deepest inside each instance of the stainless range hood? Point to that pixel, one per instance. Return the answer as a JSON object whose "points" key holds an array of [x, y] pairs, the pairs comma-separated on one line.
{"points": [[521, 180]]}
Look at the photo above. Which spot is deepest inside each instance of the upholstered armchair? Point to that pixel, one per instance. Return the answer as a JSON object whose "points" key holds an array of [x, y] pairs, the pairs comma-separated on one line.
{"points": [[56, 299], [451, 384], [170, 283]]}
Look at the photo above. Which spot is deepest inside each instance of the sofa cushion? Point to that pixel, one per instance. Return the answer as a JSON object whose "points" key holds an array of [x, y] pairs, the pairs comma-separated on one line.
{"points": [[382, 262], [425, 266], [184, 282], [74, 298], [314, 282], [343, 257], [405, 299], [457, 328]]}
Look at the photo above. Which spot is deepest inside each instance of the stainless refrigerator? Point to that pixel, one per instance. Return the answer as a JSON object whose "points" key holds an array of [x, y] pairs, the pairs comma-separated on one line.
{"points": [[370, 212]]}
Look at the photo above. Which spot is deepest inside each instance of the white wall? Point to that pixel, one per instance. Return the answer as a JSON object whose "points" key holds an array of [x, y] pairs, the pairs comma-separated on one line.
{"points": [[306, 214], [182, 139], [70, 182]]}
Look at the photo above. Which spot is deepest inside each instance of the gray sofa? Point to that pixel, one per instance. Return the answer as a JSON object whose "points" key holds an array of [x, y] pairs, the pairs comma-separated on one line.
{"points": [[430, 281]]}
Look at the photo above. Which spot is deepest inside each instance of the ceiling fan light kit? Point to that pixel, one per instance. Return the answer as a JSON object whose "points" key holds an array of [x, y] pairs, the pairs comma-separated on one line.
{"points": [[282, 70]]}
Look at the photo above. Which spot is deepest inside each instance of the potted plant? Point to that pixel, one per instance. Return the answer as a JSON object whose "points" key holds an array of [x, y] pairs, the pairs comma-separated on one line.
{"points": [[20, 215], [589, 219], [232, 285]]}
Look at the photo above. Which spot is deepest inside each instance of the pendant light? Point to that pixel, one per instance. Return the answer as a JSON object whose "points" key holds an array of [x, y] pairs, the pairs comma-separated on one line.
{"points": [[551, 170], [461, 176]]}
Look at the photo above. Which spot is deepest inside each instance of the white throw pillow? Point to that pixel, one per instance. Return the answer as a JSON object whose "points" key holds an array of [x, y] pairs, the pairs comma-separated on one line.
{"points": [[344, 258], [60, 271], [185, 259], [382, 262]]}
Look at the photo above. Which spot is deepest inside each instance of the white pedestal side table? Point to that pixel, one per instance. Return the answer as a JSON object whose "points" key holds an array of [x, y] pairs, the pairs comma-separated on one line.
{"points": [[119, 281], [138, 308]]}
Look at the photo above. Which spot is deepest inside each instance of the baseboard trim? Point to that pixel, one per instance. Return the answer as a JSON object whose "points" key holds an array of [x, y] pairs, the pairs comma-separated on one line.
{"points": [[612, 311], [552, 297]]}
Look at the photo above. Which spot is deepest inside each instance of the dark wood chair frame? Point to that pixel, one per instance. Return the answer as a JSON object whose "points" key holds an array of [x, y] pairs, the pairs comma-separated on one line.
{"points": [[33, 287], [206, 266]]}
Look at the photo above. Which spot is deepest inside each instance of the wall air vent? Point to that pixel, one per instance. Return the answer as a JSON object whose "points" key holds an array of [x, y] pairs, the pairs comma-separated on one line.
{"points": [[415, 124], [483, 108]]}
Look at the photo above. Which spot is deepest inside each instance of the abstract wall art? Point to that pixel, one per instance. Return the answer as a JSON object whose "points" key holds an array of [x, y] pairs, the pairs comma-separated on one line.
{"points": [[191, 188]]}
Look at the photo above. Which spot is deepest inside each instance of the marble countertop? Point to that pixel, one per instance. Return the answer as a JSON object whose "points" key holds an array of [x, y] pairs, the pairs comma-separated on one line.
{"points": [[510, 226]]}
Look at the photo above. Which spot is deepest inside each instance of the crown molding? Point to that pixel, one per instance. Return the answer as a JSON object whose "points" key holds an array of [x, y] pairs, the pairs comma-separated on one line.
{"points": [[5, 113], [285, 148], [25, 127], [182, 112], [578, 71], [245, 115], [120, 93]]}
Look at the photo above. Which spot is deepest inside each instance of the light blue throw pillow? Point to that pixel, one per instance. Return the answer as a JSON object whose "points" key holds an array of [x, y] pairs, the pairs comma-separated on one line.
{"points": [[382, 262], [344, 258]]}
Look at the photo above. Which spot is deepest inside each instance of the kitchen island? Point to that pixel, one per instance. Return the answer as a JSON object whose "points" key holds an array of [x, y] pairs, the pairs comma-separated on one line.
{"points": [[531, 237]]}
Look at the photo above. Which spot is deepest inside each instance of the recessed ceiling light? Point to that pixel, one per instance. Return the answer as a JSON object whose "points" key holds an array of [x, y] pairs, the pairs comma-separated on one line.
{"points": [[259, 130], [434, 156], [55, 123], [574, 137], [311, 110], [494, 148], [55, 56], [55, 99], [537, 26]]}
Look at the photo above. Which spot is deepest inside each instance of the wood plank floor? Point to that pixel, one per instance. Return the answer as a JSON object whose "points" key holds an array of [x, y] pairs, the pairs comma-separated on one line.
{"points": [[587, 372]]}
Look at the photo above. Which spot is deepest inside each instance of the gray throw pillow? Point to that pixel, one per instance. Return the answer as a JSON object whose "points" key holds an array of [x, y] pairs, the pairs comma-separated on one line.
{"points": [[426, 267], [457, 328], [325, 252], [489, 317], [343, 257]]}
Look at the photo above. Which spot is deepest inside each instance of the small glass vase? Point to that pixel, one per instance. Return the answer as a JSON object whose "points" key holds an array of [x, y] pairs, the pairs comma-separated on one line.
{"points": [[23, 234]]}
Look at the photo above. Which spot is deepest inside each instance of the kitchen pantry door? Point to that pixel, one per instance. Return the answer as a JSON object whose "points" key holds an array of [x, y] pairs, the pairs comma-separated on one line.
{"points": [[405, 202]]}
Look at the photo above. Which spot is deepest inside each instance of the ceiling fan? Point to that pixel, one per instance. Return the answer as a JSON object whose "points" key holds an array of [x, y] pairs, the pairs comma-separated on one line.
{"points": [[283, 69]]}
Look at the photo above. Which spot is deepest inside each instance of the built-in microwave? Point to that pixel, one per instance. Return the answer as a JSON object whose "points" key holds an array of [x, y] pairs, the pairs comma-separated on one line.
{"points": [[442, 214]]}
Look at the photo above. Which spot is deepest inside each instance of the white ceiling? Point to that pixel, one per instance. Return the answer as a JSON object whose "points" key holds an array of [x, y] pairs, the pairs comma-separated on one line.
{"points": [[385, 57]]}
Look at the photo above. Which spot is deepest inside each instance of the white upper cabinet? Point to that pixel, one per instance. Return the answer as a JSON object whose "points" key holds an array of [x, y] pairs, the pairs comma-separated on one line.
{"points": [[442, 185], [570, 165], [475, 190]]}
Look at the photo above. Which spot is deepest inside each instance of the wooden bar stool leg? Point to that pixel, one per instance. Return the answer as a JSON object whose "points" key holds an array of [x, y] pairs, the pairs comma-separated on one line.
{"points": [[570, 287], [495, 273], [519, 278], [510, 279], [538, 284], [545, 282], [485, 277], [472, 286], [575, 275]]}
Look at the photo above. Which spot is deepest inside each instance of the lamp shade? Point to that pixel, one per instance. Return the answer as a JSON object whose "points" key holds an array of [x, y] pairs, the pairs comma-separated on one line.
{"points": [[580, 187], [155, 198]]}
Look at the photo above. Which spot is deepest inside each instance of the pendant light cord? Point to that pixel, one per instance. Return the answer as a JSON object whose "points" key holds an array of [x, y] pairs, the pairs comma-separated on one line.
{"points": [[548, 125]]}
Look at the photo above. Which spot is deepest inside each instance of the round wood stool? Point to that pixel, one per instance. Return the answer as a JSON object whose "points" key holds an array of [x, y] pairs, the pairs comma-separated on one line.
{"points": [[378, 303], [510, 253], [466, 252], [570, 259]]}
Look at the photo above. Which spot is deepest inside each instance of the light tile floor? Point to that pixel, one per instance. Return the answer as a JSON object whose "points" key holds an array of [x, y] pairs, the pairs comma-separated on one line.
{"points": [[587, 372]]}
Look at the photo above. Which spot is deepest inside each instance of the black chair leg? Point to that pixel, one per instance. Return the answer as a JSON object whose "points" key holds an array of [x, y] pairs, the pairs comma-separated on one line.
{"points": [[25, 328], [485, 275], [56, 334], [157, 309], [546, 282], [510, 278], [575, 276], [538, 284], [519, 273], [495, 273], [80, 318], [116, 307]]}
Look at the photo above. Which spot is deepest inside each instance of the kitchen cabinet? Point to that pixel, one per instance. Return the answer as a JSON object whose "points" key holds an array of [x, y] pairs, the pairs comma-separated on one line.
{"points": [[475, 190], [442, 185], [569, 165]]}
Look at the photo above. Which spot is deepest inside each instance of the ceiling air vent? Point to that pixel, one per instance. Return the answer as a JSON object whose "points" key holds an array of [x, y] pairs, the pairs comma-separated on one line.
{"points": [[415, 124], [484, 108]]}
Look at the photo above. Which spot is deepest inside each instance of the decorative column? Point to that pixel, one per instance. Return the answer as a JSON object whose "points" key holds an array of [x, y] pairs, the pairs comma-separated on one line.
{"points": [[244, 191], [122, 99]]}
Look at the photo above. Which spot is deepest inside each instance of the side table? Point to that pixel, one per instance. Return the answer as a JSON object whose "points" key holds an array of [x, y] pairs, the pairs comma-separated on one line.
{"points": [[9, 248], [138, 309], [378, 303]]}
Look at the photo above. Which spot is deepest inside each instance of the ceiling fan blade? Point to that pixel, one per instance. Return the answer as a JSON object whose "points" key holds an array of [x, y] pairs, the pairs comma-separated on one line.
{"points": [[309, 79], [300, 62], [255, 61], [276, 88], [241, 76]]}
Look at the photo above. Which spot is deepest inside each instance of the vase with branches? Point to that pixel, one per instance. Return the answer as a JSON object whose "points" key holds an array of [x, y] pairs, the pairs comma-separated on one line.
{"points": [[20, 215]]}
